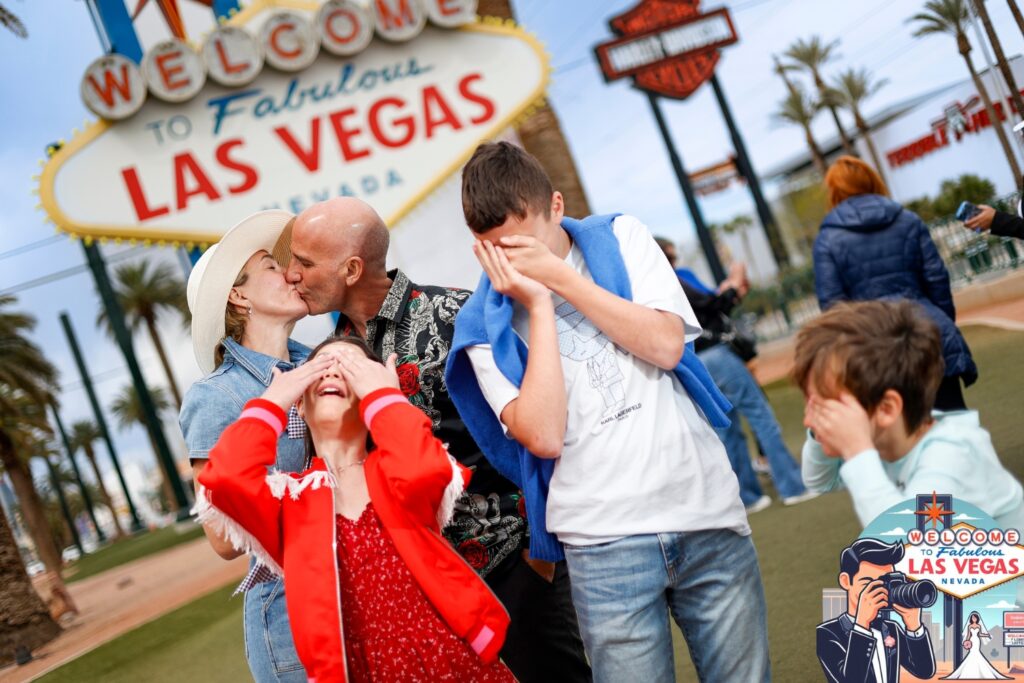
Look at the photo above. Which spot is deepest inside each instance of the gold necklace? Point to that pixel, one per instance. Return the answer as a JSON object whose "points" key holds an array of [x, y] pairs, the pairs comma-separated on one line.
{"points": [[338, 470]]}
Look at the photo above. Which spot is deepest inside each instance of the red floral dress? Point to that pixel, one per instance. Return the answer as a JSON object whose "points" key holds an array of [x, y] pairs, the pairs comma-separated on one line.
{"points": [[392, 632]]}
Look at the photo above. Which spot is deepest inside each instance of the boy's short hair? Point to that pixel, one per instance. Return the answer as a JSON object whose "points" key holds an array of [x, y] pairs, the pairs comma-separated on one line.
{"points": [[870, 347], [502, 180]]}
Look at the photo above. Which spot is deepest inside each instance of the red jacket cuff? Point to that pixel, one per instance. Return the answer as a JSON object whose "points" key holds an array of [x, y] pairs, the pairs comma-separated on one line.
{"points": [[267, 412], [375, 401]]}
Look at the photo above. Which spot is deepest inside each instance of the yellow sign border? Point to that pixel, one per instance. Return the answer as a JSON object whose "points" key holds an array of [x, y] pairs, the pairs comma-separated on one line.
{"points": [[177, 237]]}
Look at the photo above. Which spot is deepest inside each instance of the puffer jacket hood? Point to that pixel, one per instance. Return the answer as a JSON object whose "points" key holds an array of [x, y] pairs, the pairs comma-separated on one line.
{"points": [[863, 213]]}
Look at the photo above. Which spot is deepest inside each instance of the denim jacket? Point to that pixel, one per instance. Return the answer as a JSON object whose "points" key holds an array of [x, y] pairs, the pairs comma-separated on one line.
{"points": [[216, 401]]}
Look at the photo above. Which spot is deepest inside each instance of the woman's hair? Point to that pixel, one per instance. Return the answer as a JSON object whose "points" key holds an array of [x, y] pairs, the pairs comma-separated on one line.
{"points": [[360, 344], [848, 177], [974, 618], [235, 320]]}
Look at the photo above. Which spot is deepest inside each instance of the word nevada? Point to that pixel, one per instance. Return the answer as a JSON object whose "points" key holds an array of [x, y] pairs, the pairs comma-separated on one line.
{"points": [[114, 87]]}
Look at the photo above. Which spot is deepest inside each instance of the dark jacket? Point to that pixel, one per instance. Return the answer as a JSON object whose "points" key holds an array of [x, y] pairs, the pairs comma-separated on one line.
{"points": [[712, 311], [845, 654], [1008, 225], [871, 248]]}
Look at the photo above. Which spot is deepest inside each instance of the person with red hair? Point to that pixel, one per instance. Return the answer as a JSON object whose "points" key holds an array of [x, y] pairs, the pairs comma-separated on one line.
{"points": [[870, 247]]}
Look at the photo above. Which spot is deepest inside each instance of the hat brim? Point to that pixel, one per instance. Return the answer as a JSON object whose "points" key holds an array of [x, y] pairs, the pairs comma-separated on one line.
{"points": [[258, 232]]}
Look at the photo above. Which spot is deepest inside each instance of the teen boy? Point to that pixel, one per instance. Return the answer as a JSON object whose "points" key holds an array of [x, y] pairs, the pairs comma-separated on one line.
{"points": [[566, 368], [870, 371]]}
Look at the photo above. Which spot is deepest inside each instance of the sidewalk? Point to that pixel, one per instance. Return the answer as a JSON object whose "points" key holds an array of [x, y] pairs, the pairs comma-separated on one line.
{"points": [[979, 304], [128, 596]]}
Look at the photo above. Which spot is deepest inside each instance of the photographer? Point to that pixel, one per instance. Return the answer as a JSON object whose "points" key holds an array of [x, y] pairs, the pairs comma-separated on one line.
{"points": [[724, 351], [861, 645]]}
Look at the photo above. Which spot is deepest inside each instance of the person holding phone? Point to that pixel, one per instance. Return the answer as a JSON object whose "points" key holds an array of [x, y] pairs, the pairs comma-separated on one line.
{"points": [[1000, 223]]}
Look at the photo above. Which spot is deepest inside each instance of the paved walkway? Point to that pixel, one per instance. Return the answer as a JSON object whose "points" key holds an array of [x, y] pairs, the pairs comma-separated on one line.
{"points": [[123, 598], [775, 359]]}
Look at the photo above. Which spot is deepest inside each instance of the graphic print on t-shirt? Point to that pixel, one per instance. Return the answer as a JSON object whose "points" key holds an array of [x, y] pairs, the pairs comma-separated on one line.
{"points": [[579, 340]]}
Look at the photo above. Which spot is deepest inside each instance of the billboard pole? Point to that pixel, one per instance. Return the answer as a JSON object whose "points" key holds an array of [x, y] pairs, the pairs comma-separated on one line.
{"points": [[703, 234], [86, 498], [65, 510], [764, 212]]}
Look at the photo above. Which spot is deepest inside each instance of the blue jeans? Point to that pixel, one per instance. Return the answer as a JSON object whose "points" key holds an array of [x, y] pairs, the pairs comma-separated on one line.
{"points": [[709, 581], [743, 391], [269, 648]]}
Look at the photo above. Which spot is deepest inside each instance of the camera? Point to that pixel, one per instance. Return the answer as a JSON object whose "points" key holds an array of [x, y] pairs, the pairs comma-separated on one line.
{"points": [[907, 593]]}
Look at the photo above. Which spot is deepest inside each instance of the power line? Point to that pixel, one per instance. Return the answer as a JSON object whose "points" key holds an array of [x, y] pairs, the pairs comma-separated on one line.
{"points": [[66, 273], [32, 245]]}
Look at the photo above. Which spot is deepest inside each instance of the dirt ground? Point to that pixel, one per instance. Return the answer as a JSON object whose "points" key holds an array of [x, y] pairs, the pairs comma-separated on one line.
{"points": [[128, 596]]}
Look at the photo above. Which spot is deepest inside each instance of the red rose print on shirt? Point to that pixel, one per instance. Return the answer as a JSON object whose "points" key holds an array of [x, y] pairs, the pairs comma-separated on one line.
{"points": [[474, 553], [409, 378]]}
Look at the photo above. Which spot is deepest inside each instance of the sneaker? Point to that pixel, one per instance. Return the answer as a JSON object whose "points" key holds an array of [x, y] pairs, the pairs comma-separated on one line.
{"points": [[760, 466], [795, 500], [759, 504]]}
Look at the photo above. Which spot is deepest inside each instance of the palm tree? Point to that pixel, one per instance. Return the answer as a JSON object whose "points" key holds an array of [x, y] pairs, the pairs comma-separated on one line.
{"points": [[12, 23], [741, 224], [128, 410], [83, 434], [541, 135], [800, 109], [811, 55], [853, 87], [144, 293], [997, 47], [950, 16], [27, 382]]}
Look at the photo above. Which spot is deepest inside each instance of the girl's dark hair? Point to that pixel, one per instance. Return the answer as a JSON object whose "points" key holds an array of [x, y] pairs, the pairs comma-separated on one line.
{"points": [[360, 344]]}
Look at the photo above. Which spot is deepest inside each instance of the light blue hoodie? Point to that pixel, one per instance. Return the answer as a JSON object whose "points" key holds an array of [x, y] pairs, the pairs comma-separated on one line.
{"points": [[955, 456]]}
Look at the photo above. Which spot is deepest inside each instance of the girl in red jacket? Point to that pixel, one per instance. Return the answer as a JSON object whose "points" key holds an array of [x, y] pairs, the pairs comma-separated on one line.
{"points": [[374, 592]]}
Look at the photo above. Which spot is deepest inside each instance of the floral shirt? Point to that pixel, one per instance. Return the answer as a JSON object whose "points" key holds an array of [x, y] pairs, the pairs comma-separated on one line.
{"points": [[417, 323]]}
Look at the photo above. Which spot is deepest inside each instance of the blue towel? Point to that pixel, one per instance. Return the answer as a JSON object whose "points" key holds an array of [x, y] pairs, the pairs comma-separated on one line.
{"points": [[487, 319]]}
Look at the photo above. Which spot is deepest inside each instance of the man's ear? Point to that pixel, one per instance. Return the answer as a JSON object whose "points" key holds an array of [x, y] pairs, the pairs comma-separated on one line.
{"points": [[557, 206], [889, 410], [352, 270], [844, 581]]}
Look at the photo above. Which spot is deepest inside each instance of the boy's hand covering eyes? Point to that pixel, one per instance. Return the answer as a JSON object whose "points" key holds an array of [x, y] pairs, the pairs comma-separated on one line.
{"points": [[841, 426], [532, 258], [506, 279]]}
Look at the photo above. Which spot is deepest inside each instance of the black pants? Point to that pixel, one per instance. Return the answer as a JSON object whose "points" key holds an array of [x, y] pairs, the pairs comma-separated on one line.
{"points": [[950, 395], [543, 642]]}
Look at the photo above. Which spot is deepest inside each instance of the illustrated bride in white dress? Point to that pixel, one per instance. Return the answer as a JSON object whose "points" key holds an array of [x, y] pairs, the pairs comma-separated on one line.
{"points": [[975, 667]]}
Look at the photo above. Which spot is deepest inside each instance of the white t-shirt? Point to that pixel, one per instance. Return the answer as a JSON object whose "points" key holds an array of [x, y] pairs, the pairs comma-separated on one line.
{"points": [[639, 457]]}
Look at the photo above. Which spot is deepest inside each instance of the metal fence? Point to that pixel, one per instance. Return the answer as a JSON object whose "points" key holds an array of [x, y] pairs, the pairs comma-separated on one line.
{"points": [[779, 310]]}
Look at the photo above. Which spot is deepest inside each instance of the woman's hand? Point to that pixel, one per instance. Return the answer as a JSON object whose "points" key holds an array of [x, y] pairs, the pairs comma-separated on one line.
{"points": [[364, 375], [286, 387]]}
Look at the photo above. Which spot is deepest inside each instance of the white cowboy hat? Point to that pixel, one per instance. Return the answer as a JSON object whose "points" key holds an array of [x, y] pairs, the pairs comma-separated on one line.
{"points": [[215, 273]]}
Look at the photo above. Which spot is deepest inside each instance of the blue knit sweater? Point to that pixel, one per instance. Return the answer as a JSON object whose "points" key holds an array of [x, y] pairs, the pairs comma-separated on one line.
{"points": [[487, 319]]}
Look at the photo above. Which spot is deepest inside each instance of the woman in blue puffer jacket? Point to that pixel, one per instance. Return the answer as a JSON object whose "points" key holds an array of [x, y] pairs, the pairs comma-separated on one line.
{"points": [[870, 247]]}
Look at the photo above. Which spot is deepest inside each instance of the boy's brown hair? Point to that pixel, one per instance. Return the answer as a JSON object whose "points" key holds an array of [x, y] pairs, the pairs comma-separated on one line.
{"points": [[502, 180], [868, 348]]}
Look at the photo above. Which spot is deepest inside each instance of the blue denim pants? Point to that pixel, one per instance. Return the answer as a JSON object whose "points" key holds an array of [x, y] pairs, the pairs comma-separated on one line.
{"points": [[743, 391], [269, 648], [709, 581]]}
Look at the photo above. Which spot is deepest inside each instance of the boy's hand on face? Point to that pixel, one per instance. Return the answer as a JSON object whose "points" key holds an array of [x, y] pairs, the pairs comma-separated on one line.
{"points": [[841, 426], [508, 280], [532, 258]]}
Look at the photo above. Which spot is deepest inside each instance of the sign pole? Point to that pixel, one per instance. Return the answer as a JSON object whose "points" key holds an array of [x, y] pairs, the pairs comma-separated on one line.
{"points": [[65, 510], [86, 498], [65, 321], [764, 212], [703, 234]]}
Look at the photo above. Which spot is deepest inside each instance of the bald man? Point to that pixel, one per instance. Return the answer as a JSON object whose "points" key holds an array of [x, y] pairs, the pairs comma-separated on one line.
{"points": [[338, 253]]}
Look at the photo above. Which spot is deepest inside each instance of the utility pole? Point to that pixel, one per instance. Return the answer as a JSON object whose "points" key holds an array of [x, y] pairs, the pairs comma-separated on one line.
{"points": [[86, 498]]}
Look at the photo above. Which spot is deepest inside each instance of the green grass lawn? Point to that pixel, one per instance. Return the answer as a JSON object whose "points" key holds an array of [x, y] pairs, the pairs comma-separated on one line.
{"points": [[130, 549], [798, 548]]}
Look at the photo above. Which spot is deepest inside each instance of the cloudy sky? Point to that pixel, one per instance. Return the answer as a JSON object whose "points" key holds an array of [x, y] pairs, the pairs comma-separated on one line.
{"points": [[610, 129]]}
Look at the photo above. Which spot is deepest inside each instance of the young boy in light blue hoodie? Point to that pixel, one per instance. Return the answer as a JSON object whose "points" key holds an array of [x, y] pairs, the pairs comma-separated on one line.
{"points": [[869, 372]]}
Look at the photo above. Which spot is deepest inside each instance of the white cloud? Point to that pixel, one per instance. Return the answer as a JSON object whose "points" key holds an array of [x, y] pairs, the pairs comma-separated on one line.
{"points": [[1002, 604], [904, 511], [898, 531], [964, 517]]}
